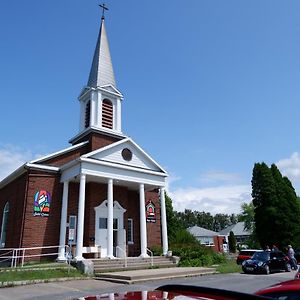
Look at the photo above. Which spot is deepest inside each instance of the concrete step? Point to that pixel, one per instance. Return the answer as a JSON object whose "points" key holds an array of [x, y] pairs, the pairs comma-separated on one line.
{"points": [[101, 265], [153, 274]]}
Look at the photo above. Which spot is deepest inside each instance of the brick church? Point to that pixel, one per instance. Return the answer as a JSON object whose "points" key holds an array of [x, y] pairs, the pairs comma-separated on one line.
{"points": [[102, 191]]}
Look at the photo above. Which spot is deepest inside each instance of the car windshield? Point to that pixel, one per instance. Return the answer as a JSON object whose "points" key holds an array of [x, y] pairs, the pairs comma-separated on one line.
{"points": [[263, 256]]}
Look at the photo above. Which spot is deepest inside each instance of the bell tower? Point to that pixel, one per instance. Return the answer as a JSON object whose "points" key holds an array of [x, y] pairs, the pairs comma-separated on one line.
{"points": [[100, 100]]}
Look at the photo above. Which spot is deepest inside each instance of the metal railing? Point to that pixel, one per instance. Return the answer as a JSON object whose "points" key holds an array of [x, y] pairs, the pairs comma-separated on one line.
{"points": [[148, 250], [124, 252], [17, 256], [6, 256]]}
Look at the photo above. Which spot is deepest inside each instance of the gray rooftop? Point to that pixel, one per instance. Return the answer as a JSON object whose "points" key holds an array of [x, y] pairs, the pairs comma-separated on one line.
{"points": [[237, 229], [199, 231], [102, 72]]}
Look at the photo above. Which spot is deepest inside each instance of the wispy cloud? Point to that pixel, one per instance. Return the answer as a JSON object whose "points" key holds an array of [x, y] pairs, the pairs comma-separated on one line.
{"points": [[290, 167], [11, 158], [221, 199], [219, 177]]}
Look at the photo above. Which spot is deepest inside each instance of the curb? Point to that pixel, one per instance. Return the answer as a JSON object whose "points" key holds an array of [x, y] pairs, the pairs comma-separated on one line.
{"points": [[6, 284]]}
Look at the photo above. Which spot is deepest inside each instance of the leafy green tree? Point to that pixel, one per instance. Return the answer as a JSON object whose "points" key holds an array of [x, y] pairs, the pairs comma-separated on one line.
{"points": [[232, 242], [276, 208], [173, 222], [247, 215]]}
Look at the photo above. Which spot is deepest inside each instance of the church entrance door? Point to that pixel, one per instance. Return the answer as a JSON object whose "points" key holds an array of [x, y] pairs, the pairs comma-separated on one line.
{"points": [[119, 237]]}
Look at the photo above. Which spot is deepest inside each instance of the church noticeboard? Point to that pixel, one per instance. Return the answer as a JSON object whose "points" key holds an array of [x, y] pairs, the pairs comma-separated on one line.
{"points": [[42, 200], [150, 212]]}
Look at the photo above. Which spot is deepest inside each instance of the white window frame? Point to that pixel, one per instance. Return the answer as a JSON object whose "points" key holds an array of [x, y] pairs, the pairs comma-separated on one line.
{"points": [[74, 217], [4, 225], [130, 230]]}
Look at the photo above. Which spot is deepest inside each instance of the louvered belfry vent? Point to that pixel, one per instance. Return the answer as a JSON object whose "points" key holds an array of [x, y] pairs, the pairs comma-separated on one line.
{"points": [[107, 114], [87, 114]]}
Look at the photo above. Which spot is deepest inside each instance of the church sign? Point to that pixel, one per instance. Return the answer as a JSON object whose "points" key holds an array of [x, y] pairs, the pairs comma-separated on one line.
{"points": [[150, 212], [42, 200]]}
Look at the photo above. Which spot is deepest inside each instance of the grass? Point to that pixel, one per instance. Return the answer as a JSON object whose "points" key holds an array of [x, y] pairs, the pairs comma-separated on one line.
{"points": [[19, 275], [230, 266]]}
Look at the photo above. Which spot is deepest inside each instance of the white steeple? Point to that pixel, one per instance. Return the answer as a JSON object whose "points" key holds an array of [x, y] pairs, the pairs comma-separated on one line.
{"points": [[102, 72], [100, 101]]}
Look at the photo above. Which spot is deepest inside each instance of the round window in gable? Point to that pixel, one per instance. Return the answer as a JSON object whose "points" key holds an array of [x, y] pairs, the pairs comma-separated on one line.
{"points": [[127, 154]]}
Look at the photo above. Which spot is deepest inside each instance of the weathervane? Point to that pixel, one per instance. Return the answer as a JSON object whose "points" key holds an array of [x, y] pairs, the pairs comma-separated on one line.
{"points": [[104, 8]]}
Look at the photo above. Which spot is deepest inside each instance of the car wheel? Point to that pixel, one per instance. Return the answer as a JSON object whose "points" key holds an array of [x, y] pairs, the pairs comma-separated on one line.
{"points": [[288, 267], [267, 270]]}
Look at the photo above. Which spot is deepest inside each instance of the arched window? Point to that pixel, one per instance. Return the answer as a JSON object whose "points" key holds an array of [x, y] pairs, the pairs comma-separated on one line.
{"points": [[107, 114], [87, 114], [4, 225]]}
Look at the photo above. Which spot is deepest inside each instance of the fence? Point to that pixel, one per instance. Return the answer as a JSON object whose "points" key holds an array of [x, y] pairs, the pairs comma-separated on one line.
{"points": [[16, 256]]}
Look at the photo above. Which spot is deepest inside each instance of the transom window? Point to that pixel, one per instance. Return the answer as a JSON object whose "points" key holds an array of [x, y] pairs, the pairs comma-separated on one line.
{"points": [[107, 114]]}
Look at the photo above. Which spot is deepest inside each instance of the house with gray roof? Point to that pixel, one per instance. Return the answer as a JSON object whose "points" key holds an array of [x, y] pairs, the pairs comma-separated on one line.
{"points": [[208, 238], [239, 231]]}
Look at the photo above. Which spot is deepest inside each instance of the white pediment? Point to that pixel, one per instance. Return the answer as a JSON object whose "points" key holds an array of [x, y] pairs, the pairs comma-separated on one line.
{"points": [[133, 156], [110, 88]]}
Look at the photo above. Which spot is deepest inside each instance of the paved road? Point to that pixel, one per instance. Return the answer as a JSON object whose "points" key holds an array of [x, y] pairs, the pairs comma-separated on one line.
{"points": [[77, 288]]}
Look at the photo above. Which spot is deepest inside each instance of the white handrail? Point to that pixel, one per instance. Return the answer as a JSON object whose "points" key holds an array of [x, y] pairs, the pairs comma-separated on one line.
{"points": [[148, 250], [125, 257], [20, 254]]}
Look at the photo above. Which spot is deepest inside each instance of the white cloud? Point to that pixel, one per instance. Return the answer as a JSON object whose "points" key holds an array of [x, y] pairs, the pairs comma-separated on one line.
{"points": [[11, 158], [290, 167], [222, 199], [218, 177]]}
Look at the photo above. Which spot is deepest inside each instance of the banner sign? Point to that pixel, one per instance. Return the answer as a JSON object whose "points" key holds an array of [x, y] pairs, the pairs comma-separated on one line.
{"points": [[150, 212]]}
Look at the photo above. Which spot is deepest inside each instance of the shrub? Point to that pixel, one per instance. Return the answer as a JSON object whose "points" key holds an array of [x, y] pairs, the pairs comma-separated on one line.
{"points": [[196, 255]]}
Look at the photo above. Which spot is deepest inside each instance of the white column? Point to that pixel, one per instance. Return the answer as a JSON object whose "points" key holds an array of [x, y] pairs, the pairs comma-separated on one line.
{"points": [[63, 222], [143, 228], [163, 214], [80, 222], [110, 218], [93, 112]]}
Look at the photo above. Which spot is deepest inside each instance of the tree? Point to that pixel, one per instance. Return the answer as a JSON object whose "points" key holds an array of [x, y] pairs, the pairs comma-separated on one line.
{"points": [[173, 222], [232, 242], [276, 208], [247, 215]]}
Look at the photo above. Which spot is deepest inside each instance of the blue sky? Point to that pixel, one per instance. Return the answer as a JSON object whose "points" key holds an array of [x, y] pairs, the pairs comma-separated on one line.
{"points": [[210, 87]]}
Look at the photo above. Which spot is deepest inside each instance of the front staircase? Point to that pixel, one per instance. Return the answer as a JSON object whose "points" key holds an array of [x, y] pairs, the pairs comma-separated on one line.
{"points": [[132, 263]]}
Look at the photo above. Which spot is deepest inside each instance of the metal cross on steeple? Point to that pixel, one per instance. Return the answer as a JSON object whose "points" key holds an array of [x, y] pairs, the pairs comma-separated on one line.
{"points": [[104, 8]]}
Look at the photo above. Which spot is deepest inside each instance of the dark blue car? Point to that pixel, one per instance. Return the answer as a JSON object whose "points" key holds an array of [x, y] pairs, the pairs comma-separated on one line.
{"points": [[266, 262]]}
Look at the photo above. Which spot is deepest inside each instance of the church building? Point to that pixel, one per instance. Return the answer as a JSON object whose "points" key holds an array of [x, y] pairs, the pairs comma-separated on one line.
{"points": [[103, 191]]}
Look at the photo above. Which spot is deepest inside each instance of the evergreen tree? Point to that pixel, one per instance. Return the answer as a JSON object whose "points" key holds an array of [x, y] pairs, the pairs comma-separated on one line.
{"points": [[232, 242], [276, 208]]}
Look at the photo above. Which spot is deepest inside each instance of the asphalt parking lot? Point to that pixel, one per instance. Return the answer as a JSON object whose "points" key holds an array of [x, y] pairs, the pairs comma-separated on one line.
{"points": [[79, 288]]}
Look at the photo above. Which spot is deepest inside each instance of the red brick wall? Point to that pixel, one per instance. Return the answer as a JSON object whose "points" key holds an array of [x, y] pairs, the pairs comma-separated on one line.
{"points": [[154, 229], [218, 243], [14, 193], [38, 230]]}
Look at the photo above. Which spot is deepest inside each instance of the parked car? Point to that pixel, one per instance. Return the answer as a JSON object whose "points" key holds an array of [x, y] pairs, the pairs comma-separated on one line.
{"points": [[245, 254], [267, 262], [287, 290]]}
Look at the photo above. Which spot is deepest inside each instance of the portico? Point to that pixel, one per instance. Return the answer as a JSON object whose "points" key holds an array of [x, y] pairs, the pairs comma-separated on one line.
{"points": [[139, 174]]}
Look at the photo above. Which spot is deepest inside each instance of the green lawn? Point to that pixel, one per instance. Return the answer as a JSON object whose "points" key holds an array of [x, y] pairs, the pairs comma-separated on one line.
{"points": [[19, 275], [230, 266]]}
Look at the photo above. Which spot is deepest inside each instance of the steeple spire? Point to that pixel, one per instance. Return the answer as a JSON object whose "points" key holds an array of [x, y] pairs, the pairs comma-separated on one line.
{"points": [[102, 72]]}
